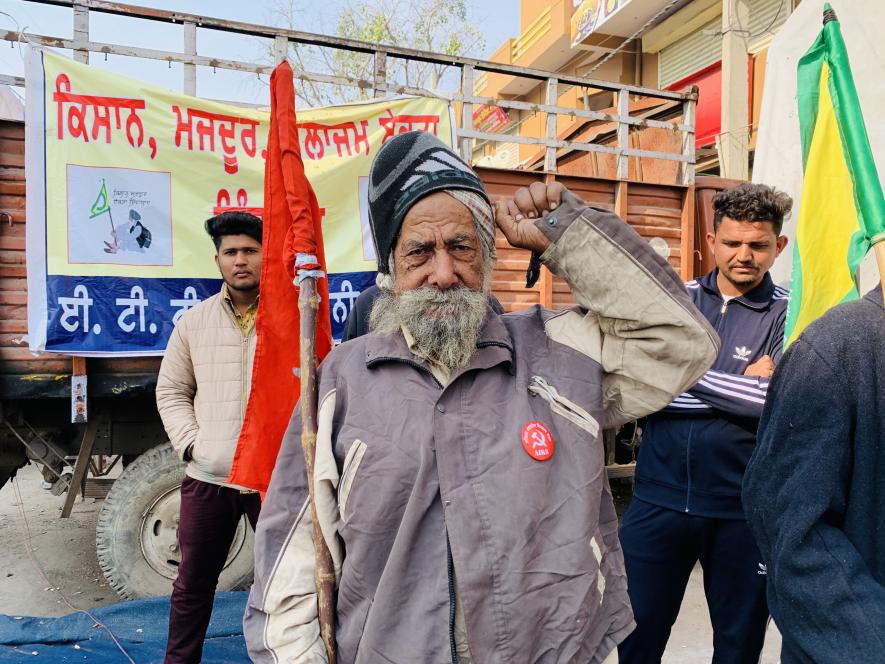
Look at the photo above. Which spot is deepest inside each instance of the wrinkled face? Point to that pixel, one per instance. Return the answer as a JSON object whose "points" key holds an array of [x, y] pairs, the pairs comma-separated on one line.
{"points": [[438, 247], [745, 250], [438, 283], [239, 261]]}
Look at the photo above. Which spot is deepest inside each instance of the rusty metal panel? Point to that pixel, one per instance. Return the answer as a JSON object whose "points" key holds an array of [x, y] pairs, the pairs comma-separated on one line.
{"points": [[655, 211], [13, 286]]}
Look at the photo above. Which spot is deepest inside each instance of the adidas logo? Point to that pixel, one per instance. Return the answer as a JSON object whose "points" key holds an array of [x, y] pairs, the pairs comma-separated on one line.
{"points": [[742, 353]]}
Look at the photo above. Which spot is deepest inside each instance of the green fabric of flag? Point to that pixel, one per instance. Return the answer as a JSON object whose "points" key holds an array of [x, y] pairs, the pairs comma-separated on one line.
{"points": [[102, 203]]}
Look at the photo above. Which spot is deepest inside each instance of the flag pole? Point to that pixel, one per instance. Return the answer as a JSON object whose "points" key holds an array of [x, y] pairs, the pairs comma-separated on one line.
{"points": [[308, 305], [104, 188]]}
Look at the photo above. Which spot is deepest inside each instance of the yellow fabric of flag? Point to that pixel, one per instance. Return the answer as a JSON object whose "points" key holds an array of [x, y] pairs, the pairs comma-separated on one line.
{"points": [[827, 220]]}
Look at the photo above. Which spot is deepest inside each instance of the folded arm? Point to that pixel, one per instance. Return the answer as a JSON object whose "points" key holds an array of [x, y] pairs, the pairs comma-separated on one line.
{"points": [[735, 394]]}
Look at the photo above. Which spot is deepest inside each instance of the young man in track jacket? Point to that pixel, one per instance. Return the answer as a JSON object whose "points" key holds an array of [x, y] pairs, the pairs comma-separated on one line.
{"points": [[687, 502]]}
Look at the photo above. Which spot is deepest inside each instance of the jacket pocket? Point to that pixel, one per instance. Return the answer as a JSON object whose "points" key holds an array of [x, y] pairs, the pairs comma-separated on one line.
{"points": [[348, 472], [560, 405]]}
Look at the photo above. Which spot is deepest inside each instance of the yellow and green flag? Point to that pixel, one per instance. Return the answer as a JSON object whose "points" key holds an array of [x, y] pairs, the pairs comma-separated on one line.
{"points": [[101, 204], [842, 210]]}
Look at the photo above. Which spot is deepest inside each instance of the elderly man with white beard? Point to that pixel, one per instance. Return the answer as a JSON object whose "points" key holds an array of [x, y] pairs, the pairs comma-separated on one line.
{"points": [[460, 482]]}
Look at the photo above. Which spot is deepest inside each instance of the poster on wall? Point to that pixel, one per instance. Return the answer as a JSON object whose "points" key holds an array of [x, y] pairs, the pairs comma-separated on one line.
{"points": [[121, 176]]}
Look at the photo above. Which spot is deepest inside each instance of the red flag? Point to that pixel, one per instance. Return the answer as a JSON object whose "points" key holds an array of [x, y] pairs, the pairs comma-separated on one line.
{"points": [[291, 226]]}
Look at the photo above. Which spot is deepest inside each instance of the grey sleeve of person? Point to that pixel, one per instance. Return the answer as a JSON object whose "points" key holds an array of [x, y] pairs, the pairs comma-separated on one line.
{"points": [[654, 343]]}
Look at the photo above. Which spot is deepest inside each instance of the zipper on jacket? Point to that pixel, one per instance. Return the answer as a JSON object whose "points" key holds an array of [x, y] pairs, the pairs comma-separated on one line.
{"points": [[412, 363], [723, 310], [559, 404], [244, 360], [450, 565]]}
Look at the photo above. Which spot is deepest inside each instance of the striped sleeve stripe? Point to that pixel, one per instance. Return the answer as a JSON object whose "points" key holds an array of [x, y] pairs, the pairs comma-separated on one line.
{"points": [[689, 406], [685, 406], [749, 380], [688, 402], [756, 390], [781, 293], [730, 392], [685, 397], [692, 284]]}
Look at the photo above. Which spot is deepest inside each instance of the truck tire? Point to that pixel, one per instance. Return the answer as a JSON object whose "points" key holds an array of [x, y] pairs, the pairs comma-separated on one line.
{"points": [[137, 531]]}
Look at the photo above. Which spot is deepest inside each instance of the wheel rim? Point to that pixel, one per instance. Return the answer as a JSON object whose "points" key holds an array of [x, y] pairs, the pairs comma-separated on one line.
{"points": [[158, 535]]}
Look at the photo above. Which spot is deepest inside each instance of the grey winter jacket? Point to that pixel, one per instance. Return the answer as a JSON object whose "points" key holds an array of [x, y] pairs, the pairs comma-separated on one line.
{"points": [[405, 464]]}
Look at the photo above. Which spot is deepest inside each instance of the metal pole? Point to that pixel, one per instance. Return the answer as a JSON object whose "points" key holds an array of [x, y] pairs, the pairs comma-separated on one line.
{"points": [[550, 152], [734, 160], [280, 48], [190, 70], [380, 77], [81, 31], [467, 112], [689, 107], [623, 134]]}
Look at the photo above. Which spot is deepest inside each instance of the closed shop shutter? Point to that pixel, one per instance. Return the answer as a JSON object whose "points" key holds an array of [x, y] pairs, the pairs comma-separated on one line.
{"points": [[766, 16], [690, 54], [703, 47]]}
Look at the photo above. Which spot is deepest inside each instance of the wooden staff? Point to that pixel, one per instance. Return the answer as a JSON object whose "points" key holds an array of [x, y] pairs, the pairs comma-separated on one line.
{"points": [[308, 305]]}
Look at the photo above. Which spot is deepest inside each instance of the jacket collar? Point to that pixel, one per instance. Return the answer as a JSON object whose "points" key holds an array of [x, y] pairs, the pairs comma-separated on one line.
{"points": [[758, 298], [493, 347]]}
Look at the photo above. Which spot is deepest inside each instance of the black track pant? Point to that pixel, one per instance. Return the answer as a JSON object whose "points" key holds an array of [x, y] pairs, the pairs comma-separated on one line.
{"points": [[661, 546]]}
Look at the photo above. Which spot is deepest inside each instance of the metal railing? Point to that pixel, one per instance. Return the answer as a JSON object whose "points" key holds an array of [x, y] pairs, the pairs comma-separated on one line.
{"points": [[380, 85]]}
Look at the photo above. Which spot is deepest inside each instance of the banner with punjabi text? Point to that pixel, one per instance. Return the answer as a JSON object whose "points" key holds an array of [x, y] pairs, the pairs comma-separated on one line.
{"points": [[121, 176]]}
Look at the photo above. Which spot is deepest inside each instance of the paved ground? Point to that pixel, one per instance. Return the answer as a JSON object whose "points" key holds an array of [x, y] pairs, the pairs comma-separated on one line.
{"points": [[65, 550]]}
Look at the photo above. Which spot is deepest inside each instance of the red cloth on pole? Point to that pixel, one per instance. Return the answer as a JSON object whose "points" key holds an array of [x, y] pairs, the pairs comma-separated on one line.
{"points": [[291, 224]]}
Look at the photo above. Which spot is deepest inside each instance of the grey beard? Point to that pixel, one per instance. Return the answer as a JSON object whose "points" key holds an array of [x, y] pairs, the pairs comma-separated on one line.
{"points": [[445, 324]]}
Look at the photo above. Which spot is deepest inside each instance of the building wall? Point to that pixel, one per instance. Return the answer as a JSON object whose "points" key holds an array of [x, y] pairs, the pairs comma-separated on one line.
{"points": [[682, 50]]}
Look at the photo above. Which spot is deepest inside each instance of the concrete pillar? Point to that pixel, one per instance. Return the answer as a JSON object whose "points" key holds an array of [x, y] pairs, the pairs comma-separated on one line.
{"points": [[733, 152]]}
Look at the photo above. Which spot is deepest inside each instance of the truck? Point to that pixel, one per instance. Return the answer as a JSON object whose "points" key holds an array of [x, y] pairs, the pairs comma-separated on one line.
{"points": [[121, 454]]}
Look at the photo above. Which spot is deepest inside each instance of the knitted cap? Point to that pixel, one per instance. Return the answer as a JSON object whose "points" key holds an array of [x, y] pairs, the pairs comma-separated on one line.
{"points": [[406, 169]]}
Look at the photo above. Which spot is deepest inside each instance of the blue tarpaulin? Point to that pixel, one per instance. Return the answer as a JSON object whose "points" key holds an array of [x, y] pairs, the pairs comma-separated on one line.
{"points": [[140, 627]]}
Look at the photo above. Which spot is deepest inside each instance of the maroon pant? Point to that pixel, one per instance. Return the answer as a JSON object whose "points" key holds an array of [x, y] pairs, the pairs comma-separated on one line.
{"points": [[208, 521]]}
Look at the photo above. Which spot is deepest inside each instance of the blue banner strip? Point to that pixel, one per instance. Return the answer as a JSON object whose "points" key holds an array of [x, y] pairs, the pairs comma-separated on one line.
{"points": [[132, 316]]}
